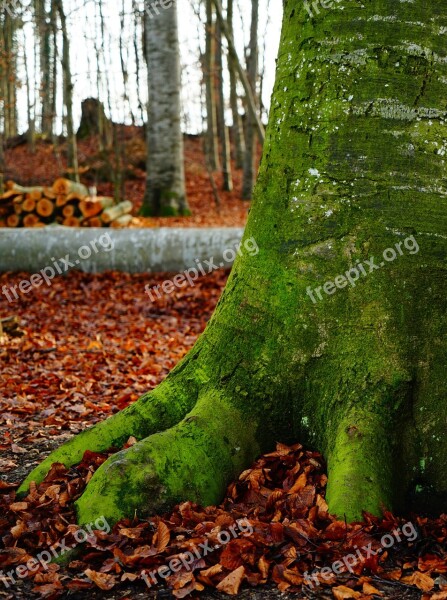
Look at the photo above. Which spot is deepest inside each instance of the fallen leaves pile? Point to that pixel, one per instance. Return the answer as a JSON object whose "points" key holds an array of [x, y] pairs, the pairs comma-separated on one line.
{"points": [[280, 531], [92, 344]]}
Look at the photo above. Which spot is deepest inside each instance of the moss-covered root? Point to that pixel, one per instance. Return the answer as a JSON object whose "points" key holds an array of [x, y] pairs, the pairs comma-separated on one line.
{"points": [[195, 460], [158, 410], [359, 466]]}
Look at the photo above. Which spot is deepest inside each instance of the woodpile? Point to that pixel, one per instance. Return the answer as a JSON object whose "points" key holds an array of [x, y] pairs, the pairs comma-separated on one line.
{"points": [[65, 203]]}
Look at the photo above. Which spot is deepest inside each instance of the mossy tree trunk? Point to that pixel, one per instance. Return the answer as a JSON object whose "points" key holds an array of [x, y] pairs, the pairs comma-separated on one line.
{"points": [[353, 166], [165, 182]]}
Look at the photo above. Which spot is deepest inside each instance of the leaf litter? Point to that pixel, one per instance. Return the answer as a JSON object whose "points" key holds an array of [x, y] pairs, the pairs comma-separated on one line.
{"points": [[93, 344]]}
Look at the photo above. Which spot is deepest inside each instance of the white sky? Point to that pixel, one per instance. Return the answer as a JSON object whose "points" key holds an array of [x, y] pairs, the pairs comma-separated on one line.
{"points": [[83, 19]]}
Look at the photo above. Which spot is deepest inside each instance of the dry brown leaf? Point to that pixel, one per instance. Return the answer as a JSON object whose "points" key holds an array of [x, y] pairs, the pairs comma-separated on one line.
{"points": [[102, 580], [342, 592], [371, 590], [162, 537], [299, 484], [421, 580], [18, 506], [232, 582]]}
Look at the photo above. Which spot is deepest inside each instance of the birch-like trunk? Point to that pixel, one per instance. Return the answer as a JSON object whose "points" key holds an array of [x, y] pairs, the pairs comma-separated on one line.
{"points": [[224, 136], [165, 184]]}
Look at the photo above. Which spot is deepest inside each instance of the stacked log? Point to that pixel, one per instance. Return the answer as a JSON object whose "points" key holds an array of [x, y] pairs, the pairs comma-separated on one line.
{"points": [[65, 203]]}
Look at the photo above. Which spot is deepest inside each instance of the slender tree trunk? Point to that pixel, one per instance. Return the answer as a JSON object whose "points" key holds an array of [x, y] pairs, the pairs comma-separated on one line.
{"points": [[137, 50], [250, 136], [223, 129], [238, 131], [8, 72], [54, 78], [250, 100], [332, 329], [212, 146], [165, 185], [30, 109], [43, 27], [2, 163], [123, 62], [72, 149]]}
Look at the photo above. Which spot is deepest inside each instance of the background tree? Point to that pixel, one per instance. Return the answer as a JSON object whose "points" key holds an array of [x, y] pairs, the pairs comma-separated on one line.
{"points": [[238, 131], [72, 148], [348, 172], [212, 143], [165, 185], [10, 23], [224, 136], [250, 136], [44, 17]]}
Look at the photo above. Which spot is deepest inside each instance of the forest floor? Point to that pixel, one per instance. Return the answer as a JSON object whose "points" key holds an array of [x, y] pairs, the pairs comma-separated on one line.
{"points": [[91, 345], [48, 162]]}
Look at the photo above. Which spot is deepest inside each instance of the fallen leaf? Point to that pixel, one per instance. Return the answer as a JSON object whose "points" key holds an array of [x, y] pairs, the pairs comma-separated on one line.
{"points": [[232, 582]]}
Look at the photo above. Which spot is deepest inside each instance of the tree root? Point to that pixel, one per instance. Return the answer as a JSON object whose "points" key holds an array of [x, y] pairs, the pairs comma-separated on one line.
{"points": [[194, 460]]}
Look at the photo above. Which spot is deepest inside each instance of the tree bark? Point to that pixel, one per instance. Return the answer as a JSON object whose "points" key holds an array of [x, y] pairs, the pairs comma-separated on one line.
{"points": [[72, 148], [250, 135], [222, 126], [8, 73], [46, 91], [354, 166], [165, 184], [212, 145], [238, 131]]}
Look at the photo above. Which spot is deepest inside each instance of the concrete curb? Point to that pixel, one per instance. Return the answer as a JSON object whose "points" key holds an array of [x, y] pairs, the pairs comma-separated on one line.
{"points": [[130, 250]]}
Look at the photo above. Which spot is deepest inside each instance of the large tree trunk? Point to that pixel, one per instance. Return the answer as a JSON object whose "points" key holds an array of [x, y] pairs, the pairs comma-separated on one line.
{"points": [[165, 185], [353, 167]]}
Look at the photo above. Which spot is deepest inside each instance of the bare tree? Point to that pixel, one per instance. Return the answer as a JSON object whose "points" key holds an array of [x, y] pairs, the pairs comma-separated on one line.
{"points": [[238, 131], [43, 19], [8, 72], [222, 127], [165, 183], [212, 147], [72, 149], [250, 137]]}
